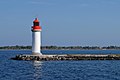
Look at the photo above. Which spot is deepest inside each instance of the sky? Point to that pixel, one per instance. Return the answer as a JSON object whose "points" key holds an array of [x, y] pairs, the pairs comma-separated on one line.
{"points": [[64, 22]]}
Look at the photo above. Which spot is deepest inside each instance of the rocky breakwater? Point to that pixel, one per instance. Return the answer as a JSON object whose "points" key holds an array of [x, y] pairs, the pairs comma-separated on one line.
{"points": [[68, 57]]}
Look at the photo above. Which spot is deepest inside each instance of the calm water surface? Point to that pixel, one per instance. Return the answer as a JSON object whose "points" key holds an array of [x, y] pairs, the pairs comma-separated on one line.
{"points": [[58, 70]]}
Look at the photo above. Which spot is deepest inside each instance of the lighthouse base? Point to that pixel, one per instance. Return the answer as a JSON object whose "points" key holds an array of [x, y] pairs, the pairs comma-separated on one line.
{"points": [[33, 53]]}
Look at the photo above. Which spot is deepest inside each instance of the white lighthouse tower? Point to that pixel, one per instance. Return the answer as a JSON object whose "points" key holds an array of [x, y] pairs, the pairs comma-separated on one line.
{"points": [[36, 38]]}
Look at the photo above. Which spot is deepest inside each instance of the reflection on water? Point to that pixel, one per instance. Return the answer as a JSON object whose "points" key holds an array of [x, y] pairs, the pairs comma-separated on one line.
{"points": [[37, 70]]}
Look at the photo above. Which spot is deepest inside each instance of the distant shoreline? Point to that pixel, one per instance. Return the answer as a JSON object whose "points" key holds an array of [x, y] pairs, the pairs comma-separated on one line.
{"points": [[17, 47]]}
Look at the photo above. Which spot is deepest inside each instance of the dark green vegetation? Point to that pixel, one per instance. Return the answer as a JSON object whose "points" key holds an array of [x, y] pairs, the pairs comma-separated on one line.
{"points": [[62, 47], [15, 47]]}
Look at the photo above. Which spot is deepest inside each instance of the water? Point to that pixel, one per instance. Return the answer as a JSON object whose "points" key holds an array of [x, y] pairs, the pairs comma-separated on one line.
{"points": [[58, 70]]}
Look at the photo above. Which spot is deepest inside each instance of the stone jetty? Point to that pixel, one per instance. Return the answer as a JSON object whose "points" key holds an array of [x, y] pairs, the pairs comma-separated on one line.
{"points": [[68, 57]]}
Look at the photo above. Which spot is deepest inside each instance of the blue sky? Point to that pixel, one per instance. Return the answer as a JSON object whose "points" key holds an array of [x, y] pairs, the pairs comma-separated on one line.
{"points": [[64, 22]]}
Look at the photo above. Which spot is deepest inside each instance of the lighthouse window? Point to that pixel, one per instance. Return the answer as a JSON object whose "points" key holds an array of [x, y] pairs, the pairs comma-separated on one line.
{"points": [[36, 24]]}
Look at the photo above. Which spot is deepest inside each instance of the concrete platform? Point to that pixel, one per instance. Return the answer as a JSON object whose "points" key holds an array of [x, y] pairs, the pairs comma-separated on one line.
{"points": [[68, 57]]}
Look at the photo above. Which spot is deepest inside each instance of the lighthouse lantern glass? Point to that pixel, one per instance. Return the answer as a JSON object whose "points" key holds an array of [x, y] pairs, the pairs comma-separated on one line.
{"points": [[36, 23]]}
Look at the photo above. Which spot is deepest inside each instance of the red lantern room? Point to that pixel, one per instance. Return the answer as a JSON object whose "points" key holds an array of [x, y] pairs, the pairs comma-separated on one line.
{"points": [[36, 26]]}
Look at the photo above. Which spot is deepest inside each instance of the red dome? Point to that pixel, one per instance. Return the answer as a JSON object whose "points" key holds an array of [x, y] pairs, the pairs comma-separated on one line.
{"points": [[36, 20]]}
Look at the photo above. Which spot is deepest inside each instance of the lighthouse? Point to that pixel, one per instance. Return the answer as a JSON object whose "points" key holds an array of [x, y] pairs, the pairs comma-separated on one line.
{"points": [[36, 37]]}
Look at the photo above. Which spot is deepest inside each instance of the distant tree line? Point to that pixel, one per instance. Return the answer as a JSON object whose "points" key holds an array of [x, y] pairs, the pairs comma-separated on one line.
{"points": [[80, 47], [61, 47], [16, 47]]}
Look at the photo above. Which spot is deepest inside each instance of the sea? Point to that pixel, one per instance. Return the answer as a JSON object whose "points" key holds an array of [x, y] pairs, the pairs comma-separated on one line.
{"points": [[59, 70]]}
